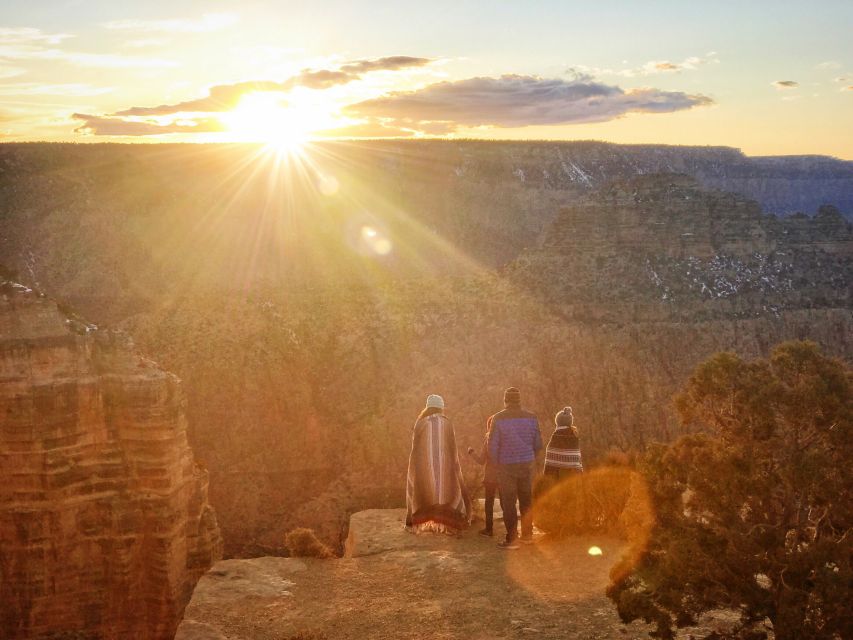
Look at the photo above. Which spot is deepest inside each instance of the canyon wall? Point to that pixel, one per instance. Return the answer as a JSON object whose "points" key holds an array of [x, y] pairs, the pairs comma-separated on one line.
{"points": [[105, 525], [311, 317], [111, 226], [663, 248]]}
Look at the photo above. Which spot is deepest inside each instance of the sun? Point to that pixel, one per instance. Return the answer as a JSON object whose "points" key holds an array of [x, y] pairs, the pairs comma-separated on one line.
{"points": [[269, 118]]}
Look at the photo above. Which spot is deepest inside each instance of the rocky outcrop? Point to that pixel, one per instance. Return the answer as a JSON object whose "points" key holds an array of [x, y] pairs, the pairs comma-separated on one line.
{"points": [[105, 525], [393, 584], [661, 247], [396, 585]]}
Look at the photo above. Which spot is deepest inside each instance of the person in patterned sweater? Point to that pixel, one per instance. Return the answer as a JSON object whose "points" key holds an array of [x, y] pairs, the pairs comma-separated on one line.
{"points": [[563, 453]]}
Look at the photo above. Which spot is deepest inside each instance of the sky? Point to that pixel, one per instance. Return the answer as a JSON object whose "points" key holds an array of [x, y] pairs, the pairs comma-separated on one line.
{"points": [[765, 77]]}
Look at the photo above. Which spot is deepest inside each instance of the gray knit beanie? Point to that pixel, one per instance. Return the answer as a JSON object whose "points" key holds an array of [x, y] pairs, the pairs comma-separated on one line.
{"points": [[564, 418], [434, 401]]}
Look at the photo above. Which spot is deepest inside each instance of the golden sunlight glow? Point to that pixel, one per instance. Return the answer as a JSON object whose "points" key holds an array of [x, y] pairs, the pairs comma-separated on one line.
{"points": [[595, 551], [268, 118]]}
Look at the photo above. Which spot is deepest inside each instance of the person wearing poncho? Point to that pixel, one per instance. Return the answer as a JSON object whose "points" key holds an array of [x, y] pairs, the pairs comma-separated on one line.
{"points": [[563, 453], [436, 497]]}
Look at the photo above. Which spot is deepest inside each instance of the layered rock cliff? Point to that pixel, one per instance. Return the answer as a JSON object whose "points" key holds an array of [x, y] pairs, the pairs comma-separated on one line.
{"points": [[661, 247], [105, 525]]}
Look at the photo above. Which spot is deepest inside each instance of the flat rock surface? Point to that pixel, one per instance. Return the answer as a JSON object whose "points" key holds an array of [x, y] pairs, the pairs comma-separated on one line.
{"points": [[395, 584]]}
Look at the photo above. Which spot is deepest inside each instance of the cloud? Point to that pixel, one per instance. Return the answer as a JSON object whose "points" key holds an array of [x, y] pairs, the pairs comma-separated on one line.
{"points": [[39, 89], [518, 101], [829, 64], [10, 72], [208, 22], [848, 88], [226, 96], [144, 43], [666, 66], [389, 63], [109, 60], [105, 126], [29, 36], [370, 129], [785, 84], [27, 43], [649, 68]]}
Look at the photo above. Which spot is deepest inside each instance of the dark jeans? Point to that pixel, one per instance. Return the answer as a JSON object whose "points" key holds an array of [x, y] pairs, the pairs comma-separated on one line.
{"points": [[491, 492], [516, 484]]}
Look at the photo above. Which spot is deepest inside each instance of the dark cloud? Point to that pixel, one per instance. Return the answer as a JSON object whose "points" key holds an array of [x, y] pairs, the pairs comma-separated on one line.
{"points": [[518, 101], [219, 98], [105, 126], [388, 63], [786, 84], [226, 96]]}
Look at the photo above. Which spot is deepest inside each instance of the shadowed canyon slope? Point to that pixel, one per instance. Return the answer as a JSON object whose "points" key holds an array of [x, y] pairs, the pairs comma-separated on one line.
{"points": [[309, 317], [105, 525]]}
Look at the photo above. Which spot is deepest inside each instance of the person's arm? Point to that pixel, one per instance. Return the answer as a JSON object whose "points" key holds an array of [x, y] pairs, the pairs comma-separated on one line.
{"points": [[479, 458], [494, 443], [537, 442]]}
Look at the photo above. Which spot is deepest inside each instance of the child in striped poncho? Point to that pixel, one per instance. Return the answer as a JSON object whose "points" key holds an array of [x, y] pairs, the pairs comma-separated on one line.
{"points": [[563, 454]]}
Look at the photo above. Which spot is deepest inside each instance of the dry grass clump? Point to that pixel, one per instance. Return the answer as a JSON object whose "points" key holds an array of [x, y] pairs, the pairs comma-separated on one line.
{"points": [[303, 543]]}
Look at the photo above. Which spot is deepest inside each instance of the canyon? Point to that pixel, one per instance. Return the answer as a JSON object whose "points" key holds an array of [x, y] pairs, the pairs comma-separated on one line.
{"points": [[311, 303]]}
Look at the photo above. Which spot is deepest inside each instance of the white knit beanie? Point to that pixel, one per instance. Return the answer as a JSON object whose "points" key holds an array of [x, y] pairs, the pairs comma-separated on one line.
{"points": [[435, 401]]}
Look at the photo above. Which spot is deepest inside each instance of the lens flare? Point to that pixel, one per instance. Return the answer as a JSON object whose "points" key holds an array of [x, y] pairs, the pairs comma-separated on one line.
{"points": [[328, 185], [375, 241], [597, 526]]}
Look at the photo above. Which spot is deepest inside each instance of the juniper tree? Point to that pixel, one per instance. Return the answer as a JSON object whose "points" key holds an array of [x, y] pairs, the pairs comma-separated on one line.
{"points": [[754, 513]]}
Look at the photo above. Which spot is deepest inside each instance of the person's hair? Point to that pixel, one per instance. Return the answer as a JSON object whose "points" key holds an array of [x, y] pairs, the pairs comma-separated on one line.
{"points": [[428, 411]]}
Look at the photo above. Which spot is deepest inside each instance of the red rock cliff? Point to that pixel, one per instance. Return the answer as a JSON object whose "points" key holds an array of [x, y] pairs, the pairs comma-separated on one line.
{"points": [[105, 525]]}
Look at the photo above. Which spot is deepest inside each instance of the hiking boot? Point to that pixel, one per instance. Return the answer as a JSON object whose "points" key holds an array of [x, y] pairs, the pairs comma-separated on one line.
{"points": [[508, 545], [526, 539], [486, 533]]}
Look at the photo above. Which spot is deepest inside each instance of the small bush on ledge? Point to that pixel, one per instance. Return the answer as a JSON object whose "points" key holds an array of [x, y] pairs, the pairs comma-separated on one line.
{"points": [[303, 543]]}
